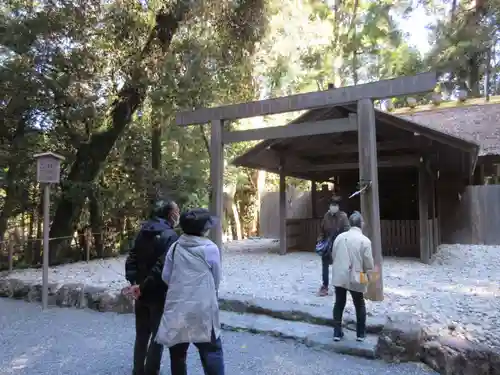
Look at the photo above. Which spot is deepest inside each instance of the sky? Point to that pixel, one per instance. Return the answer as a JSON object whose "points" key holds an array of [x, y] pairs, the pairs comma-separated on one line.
{"points": [[415, 26]]}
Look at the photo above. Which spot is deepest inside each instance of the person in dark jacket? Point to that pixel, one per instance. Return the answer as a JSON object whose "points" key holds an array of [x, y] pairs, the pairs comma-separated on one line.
{"points": [[334, 222], [143, 269]]}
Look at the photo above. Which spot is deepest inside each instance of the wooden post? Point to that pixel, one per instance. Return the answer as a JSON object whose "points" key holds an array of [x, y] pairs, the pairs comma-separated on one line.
{"points": [[282, 212], [439, 197], [46, 230], [314, 199], [430, 220], [435, 241], [216, 179], [367, 145], [423, 212]]}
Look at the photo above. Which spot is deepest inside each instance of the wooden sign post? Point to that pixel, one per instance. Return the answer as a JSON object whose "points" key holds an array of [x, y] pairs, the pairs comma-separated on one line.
{"points": [[48, 171]]}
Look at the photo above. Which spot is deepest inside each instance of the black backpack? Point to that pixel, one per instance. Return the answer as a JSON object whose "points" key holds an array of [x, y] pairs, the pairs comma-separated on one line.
{"points": [[148, 248]]}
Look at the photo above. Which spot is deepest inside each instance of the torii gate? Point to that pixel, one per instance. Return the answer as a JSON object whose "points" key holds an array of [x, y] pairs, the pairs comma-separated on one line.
{"points": [[363, 95]]}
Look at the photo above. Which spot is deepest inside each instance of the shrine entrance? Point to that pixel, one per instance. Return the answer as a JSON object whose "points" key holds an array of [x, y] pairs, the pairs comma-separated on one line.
{"points": [[358, 121]]}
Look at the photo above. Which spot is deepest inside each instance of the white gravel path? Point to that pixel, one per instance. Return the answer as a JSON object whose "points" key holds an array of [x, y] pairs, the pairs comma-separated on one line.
{"points": [[460, 290], [85, 342]]}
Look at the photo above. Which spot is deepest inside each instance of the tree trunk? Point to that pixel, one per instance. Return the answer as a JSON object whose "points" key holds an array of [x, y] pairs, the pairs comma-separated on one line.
{"points": [[29, 256], [10, 202], [261, 184], [11, 191], [231, 210], [474, 61], [156, 146], [28, 250], [474, 75], [236, 220], [91, 156], [37, 254], [454, 10], [96, 224], [487, 74]]}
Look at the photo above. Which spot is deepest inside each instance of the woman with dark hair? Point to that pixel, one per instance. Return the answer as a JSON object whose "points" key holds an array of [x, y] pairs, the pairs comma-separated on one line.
{"points": [[191, 315]]}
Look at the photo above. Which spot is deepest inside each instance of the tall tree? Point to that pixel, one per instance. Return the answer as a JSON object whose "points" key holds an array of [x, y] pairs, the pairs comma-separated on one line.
{"points": [[462, 40]]}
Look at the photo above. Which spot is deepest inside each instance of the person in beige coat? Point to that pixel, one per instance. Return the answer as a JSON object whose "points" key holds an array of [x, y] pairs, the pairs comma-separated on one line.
{"points": [[352, 263]]}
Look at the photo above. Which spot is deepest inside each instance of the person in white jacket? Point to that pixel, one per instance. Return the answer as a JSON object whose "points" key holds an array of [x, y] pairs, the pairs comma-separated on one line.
{"points": [[352, 265], [192, 273]]}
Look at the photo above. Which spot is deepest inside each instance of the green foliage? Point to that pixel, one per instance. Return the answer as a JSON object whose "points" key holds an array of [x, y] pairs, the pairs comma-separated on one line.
{"points": [[62, 68], [462, 41]]}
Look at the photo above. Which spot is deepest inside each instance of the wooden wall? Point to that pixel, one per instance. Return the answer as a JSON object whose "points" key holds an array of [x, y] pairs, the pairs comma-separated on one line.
{"points": [[467, 214], [398, 194], [472, 216], [299, 206]]}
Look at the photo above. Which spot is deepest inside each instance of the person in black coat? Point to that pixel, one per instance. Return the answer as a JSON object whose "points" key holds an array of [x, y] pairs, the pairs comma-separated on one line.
{"points": [[143, 269]]}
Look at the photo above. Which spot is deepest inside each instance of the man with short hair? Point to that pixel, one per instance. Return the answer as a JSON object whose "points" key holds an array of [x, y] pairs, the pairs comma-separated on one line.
{"points": [[352, 266], [334, 222], [143, 269]]}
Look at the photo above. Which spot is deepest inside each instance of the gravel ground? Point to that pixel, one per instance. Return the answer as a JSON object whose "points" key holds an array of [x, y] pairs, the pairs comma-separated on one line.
{"points": [[82, 342], [460, 289]]}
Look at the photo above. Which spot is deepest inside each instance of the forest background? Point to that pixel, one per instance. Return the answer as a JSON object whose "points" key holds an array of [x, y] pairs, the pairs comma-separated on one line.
{"points": [[99, 82]]}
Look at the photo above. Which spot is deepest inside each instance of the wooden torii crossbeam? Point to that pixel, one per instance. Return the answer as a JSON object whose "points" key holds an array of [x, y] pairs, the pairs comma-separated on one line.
{"points": [[363, 122]]}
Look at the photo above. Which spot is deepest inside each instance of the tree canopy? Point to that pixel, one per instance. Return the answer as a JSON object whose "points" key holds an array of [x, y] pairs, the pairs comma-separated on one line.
{"points": [[100, 83]]}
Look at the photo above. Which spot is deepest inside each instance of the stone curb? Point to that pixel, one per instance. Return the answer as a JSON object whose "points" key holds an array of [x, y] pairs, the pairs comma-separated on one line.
{"points": [[315, 336], [68, 295], [319, 315], [446, 354], [98, 298]]}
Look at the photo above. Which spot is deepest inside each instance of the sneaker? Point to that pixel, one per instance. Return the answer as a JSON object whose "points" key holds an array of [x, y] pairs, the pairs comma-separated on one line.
{"points": [[323, 291], [360, 338], [338, 336]]}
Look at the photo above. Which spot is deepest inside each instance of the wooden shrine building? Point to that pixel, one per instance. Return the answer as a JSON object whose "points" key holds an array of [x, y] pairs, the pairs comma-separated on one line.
{"points": [[342, 134], [420, 172]]}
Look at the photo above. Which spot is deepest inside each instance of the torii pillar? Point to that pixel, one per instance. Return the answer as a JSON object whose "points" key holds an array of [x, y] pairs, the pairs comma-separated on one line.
{"points": [[368, 173]]}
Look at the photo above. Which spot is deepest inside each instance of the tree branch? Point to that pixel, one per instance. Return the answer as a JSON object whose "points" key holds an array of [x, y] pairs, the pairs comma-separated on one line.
{"points": [[205, 139]]}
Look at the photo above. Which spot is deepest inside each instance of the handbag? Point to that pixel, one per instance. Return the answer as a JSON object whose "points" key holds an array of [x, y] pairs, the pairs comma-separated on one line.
{"points": [[321, 247], [324, 246]]}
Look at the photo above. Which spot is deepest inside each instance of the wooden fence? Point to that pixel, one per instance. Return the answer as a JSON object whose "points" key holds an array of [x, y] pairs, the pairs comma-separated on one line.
{"points": [[472, 219], [399, 237]]}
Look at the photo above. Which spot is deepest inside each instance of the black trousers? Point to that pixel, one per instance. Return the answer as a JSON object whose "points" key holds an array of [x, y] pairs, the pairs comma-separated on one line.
{"points": [[211, 356], [147, 353], [339, 306], [326, 260]]}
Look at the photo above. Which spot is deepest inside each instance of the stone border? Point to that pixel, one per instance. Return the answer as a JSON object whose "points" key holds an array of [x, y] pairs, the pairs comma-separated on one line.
{"points": [[288, 311], [401, 338]]}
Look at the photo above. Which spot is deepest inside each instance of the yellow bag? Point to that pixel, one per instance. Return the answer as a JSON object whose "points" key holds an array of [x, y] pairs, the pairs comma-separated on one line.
{"points": [[363, 278]]}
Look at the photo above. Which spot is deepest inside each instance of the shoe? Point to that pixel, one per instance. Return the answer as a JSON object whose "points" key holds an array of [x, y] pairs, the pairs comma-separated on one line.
{"points": [[360, 338], [323, 291], [337, 335]]}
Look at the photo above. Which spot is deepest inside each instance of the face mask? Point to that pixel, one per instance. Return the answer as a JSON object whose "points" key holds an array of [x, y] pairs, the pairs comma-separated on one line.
{"points": [[333, 209]]}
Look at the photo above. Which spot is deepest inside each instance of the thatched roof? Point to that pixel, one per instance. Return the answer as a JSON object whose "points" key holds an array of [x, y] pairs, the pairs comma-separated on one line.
{"points": [[317, 152], [478, 123]]}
